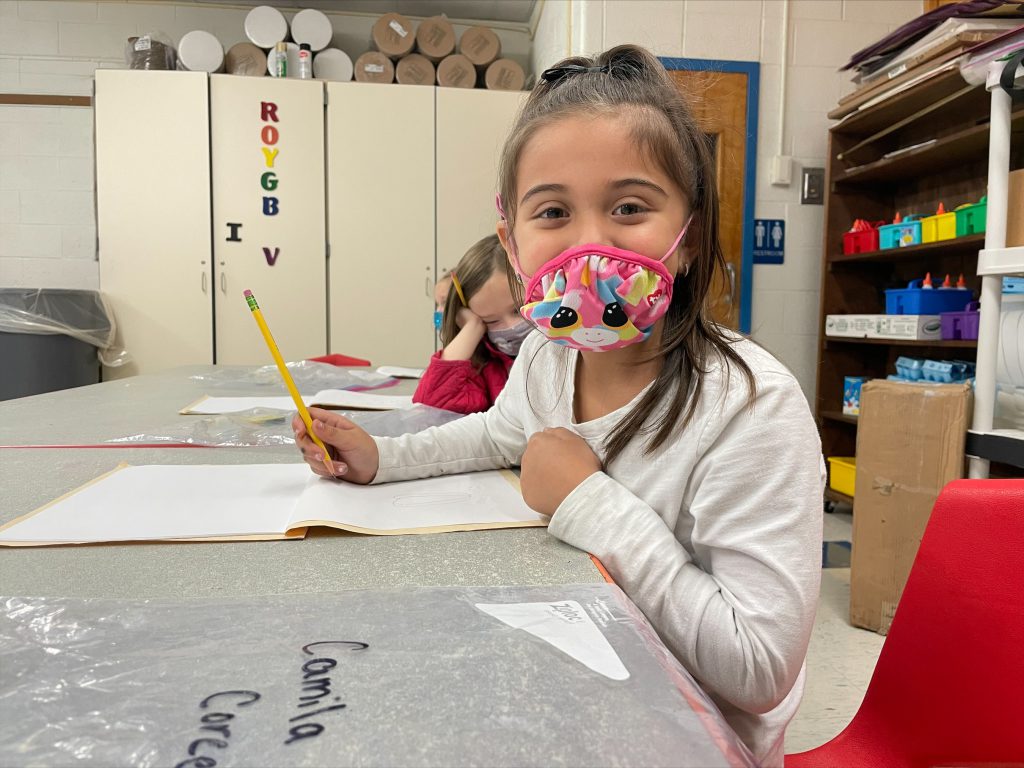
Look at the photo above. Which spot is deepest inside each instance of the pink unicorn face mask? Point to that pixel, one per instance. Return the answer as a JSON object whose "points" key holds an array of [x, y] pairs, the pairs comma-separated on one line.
{"points": [[596, 297]]}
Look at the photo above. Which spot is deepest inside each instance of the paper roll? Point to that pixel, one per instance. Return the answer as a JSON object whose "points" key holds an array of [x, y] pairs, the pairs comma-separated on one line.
{"points": [[374, 67], [480, 45], [456, 71], [199, 51], [505, 75], [293, 61], [265, 26], [332, 64], [414, 69], [435, 38], [393, 35], [245, 59], [312, 27]]}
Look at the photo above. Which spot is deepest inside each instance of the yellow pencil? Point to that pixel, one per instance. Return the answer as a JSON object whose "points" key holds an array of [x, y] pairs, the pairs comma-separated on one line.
{"points": [[288, 381]]}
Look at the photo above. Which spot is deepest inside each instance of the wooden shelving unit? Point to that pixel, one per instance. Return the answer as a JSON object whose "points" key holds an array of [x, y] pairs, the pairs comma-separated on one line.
{"points": [[926, 145]]}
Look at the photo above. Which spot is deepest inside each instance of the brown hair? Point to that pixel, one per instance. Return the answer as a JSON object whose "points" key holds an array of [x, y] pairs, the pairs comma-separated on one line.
{"points": [[629, 82], [478, 264]]}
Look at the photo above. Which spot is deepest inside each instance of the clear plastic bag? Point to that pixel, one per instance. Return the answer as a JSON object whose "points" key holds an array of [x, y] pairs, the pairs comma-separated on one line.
{"points": [[309, 377], [266, 426], [385, 677], [152, 50], [82, 315]]}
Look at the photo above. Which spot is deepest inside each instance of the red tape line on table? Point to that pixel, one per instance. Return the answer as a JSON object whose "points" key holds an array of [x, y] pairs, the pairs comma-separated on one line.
{"points": [[119, 445]]}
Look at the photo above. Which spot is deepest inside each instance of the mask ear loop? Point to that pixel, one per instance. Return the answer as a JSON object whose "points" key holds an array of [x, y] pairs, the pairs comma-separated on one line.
{"points": [[675, 244], [511, 240]]}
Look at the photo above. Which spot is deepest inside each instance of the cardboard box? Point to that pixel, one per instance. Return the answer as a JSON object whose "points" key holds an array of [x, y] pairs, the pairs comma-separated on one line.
{"points": [[910, 443], [920, 327], [856, 326], [1015, 209], [908, 327]]}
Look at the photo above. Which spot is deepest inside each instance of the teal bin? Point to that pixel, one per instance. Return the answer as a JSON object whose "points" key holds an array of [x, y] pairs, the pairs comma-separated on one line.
{"points": [[906, 232]]}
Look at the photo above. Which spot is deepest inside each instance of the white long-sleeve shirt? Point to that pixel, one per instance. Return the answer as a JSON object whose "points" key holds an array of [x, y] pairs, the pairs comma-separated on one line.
{"points": [[715, 536]]}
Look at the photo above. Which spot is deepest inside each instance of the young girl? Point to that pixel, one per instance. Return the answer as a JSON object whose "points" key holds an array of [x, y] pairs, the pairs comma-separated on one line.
{"points": [[481, 333], [679, 453]]}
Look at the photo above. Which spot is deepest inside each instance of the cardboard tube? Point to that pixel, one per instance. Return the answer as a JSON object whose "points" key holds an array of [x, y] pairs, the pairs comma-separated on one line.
{"points": [[374, 67], [414, 70], [393, 35], [480, 45], [435, 38], [456, 71], [505, 75]]}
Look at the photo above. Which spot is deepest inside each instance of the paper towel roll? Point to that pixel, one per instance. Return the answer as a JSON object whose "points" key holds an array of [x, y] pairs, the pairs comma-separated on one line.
{"points": [[265, 26], [332, 64], [312, 27], [199, 51]]}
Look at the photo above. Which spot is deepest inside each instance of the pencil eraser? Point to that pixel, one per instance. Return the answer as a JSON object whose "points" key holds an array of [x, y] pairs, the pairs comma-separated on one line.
{"points": [[248, 293]]}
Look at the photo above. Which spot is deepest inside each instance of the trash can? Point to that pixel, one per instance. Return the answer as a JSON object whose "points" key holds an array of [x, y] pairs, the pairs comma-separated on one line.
{"points": [[49, 339]]}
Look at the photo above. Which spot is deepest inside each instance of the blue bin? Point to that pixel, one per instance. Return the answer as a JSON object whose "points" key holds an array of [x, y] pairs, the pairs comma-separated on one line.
{"points": [[915, 300]]}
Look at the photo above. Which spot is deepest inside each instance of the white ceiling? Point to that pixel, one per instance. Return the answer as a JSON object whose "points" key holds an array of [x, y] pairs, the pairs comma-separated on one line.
{"points": [[507, 11]]}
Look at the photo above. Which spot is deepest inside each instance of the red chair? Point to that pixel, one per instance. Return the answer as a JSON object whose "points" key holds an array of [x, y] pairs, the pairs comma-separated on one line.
{"points": [[948, 688]]}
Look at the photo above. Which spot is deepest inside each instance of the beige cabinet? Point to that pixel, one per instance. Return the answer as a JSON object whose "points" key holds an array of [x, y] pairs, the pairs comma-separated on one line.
{"points": [[412, 174], [153, 214], [380, 221], [472, 126], [269, 230]]}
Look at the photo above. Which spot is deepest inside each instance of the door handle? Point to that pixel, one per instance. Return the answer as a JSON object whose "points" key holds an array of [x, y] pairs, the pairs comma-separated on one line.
{"points": [[426, 286], [204, 282], [223, 283]]}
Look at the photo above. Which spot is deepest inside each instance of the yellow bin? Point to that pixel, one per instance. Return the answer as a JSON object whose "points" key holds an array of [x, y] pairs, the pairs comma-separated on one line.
{"points": [[941, 226], [842, 472]]}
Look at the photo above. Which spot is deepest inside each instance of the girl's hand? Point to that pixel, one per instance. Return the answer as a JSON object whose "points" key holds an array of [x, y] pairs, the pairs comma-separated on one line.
{"points": [[353, 451], [554, 463], [471, 332], [466, 318]]}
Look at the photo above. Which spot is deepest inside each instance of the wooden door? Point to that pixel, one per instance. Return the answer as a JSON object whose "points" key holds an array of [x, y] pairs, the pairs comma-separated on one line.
{"points": [[472, 126], [269, 216], [153, 215], [380, 192], [719, 101]]}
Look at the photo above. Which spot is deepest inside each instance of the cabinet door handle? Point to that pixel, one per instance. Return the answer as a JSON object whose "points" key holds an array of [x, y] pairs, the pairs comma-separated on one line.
{"points": [[426, 286], [204, 281], [223, 283]]}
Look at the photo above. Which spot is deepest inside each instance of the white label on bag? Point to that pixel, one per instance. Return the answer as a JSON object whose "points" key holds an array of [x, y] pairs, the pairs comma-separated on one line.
{"points": [[398, 28], [375, 68], [142, 43]]}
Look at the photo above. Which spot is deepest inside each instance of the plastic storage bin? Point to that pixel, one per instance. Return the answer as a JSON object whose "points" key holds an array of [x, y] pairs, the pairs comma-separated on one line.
{"points": [[941, 226], [915, 300], [49, 339], [900, 234], [960, 325], [842, 474], [970, 218], [862, 240]]}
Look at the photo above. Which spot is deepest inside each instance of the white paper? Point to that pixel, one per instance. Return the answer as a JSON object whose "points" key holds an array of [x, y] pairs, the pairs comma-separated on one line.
{"points": [[334, 398], [401, 373], [233, 500], [171, 502], [474, 499], [566, 626]]}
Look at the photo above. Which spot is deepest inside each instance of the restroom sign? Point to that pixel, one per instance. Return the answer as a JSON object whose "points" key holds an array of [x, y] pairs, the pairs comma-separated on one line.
{"points": [[769, 241]]}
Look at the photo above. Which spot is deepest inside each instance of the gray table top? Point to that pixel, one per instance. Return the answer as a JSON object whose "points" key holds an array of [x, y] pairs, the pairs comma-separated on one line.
{"points": [[325, 561]]}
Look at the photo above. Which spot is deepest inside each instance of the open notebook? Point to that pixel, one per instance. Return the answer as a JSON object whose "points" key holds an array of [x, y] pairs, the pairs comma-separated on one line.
{"points": [[327, 398], [223, 502]]}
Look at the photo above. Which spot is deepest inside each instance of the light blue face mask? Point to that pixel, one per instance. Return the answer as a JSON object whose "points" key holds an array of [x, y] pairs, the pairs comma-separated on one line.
{"points": [[438, 315]]}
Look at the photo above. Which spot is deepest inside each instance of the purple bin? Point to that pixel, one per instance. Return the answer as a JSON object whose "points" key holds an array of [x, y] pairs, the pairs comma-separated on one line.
{"points": [[960, 325]]}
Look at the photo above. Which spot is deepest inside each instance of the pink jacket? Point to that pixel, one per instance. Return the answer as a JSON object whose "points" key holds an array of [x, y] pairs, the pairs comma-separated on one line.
{"points": [[456, 385]]}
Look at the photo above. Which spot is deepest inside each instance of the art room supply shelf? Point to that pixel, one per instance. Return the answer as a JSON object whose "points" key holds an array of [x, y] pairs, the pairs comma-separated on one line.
{"points": [[956, 247], [1001, 261], [925, 145]]}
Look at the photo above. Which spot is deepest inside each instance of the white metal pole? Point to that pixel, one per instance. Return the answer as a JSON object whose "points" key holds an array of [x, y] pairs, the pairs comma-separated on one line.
{"points": [[992, 286]]}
